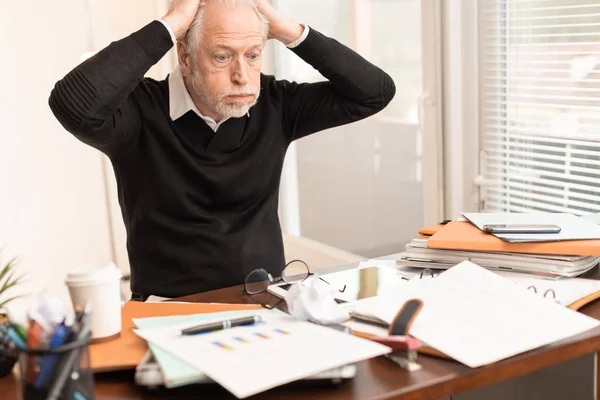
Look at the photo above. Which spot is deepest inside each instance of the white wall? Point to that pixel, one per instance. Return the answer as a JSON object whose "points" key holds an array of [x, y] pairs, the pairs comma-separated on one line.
{"points": [[53, 209]]}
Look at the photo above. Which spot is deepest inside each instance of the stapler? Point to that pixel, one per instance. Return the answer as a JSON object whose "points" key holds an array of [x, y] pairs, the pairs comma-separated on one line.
{"points": [[404, 347]]}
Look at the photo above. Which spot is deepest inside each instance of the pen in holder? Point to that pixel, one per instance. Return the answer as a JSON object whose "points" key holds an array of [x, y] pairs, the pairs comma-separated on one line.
{"points": [[60, 373]]}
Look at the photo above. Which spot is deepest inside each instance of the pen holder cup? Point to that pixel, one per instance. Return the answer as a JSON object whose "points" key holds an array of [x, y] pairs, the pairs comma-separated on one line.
{"points": [[63, 373]]}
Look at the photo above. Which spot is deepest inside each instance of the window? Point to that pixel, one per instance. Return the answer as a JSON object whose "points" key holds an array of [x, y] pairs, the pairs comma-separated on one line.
{"points": [[360, 186], [540, 105]]}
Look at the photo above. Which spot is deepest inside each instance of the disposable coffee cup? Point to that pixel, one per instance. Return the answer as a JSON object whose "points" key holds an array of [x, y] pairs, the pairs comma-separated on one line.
{"points": [[101, 286]]}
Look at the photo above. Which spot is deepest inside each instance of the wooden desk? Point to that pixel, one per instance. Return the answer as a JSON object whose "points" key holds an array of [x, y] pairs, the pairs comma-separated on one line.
{"points": [[375, 379]]}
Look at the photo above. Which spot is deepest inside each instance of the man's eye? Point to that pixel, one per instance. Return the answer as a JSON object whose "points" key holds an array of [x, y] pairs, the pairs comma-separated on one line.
{"points": [[222, 57], [253, 56]]}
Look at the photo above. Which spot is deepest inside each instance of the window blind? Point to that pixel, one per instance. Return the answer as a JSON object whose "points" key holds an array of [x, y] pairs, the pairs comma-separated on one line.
{"points": [[540, 105]]}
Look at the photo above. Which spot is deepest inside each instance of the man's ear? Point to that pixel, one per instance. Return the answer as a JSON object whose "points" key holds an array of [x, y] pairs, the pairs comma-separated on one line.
{"points": [[183, 56]]}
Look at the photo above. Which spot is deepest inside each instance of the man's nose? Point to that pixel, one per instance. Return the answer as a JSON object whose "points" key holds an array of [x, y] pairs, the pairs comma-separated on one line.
{"points": [[240, 73]]}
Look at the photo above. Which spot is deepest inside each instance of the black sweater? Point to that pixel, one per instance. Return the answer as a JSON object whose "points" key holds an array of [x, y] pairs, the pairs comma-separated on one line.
{"points": [[200, 208]]}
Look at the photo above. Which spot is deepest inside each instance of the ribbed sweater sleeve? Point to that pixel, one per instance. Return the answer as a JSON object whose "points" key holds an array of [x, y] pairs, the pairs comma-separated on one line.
{"points": [[94, 101], [355, 88]]}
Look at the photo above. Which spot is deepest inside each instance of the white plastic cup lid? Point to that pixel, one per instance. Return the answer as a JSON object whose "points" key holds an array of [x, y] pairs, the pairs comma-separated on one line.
{"points": [[88, 275]]}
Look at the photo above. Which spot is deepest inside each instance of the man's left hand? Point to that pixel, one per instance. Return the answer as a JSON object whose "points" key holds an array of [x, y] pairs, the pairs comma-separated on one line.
{"points": [[280, 28]]}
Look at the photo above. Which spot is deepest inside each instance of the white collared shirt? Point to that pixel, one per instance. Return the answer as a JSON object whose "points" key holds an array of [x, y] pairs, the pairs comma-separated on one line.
{"points": [[180, 101]]}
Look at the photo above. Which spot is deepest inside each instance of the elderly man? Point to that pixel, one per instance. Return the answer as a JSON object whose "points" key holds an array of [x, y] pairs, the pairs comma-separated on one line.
{"points": [[198, 156]]}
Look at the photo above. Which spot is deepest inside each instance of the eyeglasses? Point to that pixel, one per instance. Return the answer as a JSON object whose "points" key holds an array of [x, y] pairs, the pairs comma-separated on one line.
{"points": [[258, 281]]}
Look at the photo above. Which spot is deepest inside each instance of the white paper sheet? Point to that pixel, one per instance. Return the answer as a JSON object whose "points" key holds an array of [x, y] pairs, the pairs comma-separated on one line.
{"points": [[250, 360], [595, 218], [477, 317], [572, 227], [564, 291]]}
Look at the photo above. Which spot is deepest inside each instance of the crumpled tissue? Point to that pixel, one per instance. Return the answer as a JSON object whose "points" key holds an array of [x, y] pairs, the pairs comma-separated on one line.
{"points": [[313, 300]]}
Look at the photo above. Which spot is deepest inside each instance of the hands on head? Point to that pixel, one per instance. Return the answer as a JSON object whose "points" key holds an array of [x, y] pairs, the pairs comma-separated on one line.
{"points": [[220, 54], [182, 13]]}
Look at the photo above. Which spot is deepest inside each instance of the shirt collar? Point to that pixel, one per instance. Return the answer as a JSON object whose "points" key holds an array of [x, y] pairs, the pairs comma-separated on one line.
{"points": [[180, 101]]}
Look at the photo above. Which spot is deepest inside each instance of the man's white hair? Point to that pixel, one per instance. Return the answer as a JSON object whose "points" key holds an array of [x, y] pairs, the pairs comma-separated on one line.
{"points": [[194, 34]]}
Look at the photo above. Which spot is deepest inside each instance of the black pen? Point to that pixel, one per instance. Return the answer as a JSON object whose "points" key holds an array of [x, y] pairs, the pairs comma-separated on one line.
{"points": [[216, 326], [72, 358]]}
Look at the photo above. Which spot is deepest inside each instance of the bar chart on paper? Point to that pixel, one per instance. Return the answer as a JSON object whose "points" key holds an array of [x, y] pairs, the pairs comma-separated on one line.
{"points": [[249, 339], [176, 371], [251, 359]]}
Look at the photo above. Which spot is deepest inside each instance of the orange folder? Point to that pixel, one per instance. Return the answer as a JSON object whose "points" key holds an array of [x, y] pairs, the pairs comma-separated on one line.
{"points": [[430, 230], [460, 235], [126, 351]]}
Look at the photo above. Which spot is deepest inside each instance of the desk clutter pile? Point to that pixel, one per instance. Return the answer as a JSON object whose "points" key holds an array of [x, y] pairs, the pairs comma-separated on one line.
{"points": [[457, 293], [547, 267], [572, 252]]}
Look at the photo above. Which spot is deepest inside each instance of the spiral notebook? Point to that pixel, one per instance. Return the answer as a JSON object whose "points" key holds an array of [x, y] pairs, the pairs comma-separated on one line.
{"points": [[573, 293], [477, 317]]}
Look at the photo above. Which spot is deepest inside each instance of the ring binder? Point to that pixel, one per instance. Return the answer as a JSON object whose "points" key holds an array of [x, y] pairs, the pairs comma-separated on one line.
{"points": [[430, 272], [545, 293], [425, 273]]}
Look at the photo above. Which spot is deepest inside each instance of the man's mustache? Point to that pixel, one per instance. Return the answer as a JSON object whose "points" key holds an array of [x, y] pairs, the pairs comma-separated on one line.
{"points": [[239, 91]]}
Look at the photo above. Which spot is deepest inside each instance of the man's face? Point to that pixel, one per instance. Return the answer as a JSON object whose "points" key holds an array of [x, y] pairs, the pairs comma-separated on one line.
{"points": [[225, 74]]}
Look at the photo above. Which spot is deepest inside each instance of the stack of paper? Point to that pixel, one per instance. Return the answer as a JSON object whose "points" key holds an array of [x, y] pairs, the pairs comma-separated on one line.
{"points": [[417, 254], [478, 317], [569, 253], [176, 372], [251, 359]]}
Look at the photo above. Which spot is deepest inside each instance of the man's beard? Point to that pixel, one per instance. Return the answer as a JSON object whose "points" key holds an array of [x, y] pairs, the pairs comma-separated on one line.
{"points": [[225, 110]]}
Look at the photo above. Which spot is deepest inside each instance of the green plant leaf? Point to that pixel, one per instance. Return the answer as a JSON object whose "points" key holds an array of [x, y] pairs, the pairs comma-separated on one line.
{"points": [[10, 282], [5, 302], [7, 268], [16, 281], [6, 282]]}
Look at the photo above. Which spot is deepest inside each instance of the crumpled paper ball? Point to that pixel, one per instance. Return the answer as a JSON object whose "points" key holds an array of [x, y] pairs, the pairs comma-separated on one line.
{"points": [[314, 300]]}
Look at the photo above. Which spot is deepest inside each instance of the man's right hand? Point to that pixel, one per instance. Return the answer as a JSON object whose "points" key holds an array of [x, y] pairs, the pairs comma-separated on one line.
{"points": [[181, 14]]}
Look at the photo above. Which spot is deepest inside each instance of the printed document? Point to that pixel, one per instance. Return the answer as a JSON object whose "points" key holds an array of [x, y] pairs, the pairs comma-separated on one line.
{"points": [[249, 360], [564, 291], [478, 317]]}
